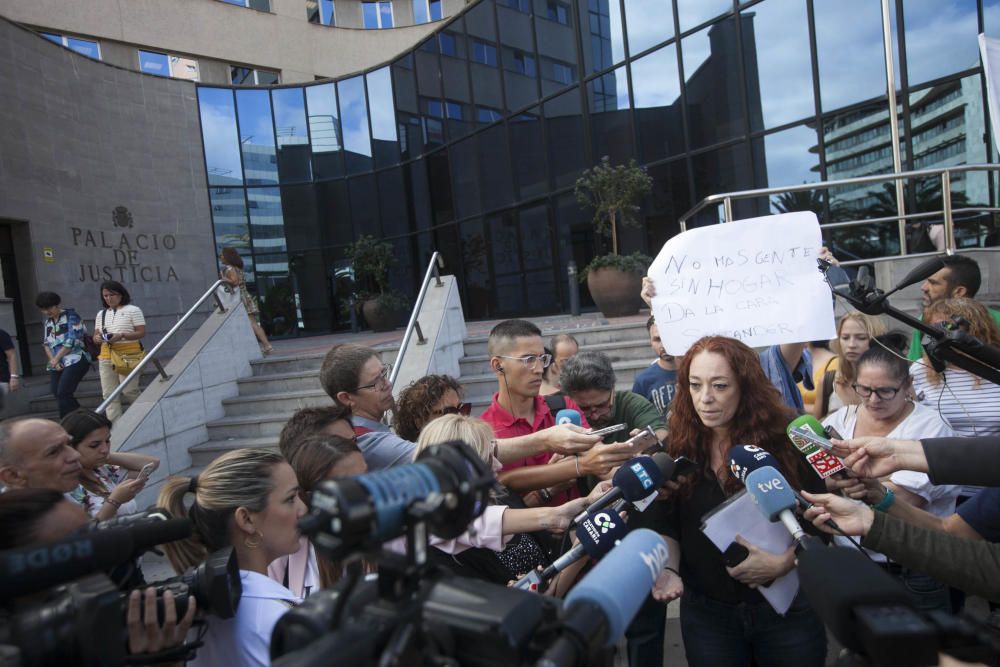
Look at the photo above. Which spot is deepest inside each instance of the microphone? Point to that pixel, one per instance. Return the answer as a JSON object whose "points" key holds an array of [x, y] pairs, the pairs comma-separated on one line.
{"points": [[36, 568], [821, 461], [147, 530], [635, 480], [568, 416], [597, 534], [775, 499], [601, 606], [744, 459]]}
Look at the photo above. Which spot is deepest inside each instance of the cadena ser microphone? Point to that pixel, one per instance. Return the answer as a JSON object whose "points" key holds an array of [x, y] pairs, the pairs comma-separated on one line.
{"points": [[597, 534], [568, 416], [822, 462], [775, 499], [601, 606], [635, 480]]}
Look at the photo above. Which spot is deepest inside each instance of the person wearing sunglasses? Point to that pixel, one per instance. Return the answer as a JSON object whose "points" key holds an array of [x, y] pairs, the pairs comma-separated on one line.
{"points": [[428, 398], [884, 385]]}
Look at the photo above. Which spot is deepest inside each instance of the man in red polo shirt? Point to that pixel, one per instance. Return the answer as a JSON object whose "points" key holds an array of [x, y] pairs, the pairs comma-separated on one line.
{"points": [[517, 357]]}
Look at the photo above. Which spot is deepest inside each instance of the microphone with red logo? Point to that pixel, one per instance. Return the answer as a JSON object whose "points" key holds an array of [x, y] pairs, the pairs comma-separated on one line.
{"points": [[821, 461], [597, 534]]}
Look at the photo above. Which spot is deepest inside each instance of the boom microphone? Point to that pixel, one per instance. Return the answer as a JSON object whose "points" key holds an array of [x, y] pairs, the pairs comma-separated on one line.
{"points": [[633, 481], [822, 462], [597, 534], [775, 499], [602, 605]]}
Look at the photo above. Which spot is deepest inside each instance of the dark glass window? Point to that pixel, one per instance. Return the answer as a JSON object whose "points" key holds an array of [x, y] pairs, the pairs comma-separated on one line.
{"points": [[712, 73], [334, 210], [292, 133], [257, 137], [220, 137], [448, 44], [519, 62], [487, 115], [483, 53], [439, 184], [668, 200], [558, 72], [354, 119], [649, 22], [940, 38], [324, 131], [364, 205], [392, 202], [723, 170], [495, 167], [610, 128], [656, 90], [557, 11], [267, 226], [475, 264], [603, 42], [523, 6], [464, 177], [528, 154], [229, 216], [771, 31], [565, 138], [383, 117]]}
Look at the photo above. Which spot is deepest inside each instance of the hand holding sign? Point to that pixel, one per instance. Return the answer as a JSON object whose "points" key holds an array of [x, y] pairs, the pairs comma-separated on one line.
{"points": [[755, 280]]}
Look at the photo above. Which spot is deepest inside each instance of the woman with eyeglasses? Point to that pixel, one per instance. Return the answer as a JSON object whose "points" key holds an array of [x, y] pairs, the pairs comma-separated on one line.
{"points": [[428, 398], [884, 385]]}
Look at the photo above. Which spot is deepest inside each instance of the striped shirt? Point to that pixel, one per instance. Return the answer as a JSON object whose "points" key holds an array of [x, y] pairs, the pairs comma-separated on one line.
{"points": [[970, 404]]}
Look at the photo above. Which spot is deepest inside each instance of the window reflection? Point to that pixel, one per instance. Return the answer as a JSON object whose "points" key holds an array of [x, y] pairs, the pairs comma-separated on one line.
{"points": [[354, 119], [656, 90], [292, 135], [324, 131], [566, 142], [601, 24], [693, 13], [257, 137], [611, 130], [475, 264], [229, 217], [780, 90], [464, 177], [528, 153], [712, 77], [849, 51], [267, 226], [940, 38], [219, 137], [649, 22], [382, 117]]}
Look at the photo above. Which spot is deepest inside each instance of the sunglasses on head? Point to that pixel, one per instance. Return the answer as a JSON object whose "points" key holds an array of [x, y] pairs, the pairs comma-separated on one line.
{"points": [[463, 409]]}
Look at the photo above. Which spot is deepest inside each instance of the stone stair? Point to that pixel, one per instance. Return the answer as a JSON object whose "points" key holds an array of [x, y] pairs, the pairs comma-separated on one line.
{"points": [[88, 393], [280, 385]]}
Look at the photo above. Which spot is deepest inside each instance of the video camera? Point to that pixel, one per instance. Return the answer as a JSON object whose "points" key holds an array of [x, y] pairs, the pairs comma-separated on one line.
{"points": [[943, 345], [62, 607], [415, 614]]}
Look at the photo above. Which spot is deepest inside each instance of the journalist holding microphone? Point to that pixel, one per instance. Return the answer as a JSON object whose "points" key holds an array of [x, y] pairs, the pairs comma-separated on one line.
{"points": [[724, 399]]}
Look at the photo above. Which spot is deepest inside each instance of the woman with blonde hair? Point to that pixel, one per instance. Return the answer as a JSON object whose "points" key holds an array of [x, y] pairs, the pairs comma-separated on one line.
{"points": [[247, 499], [833, 389]]}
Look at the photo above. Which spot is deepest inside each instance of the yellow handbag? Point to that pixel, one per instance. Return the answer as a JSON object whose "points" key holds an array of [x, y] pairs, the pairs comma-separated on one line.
{"points": [[125, 362]]}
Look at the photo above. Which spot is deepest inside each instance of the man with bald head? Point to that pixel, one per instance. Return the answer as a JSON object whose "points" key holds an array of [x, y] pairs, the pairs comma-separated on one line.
{"points": [[35, 454]]}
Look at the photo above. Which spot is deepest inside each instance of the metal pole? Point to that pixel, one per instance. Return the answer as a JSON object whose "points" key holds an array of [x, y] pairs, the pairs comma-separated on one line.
{"points": [[890, 84], [949, 222], [431, 269], [574, 288], [727, 208]]}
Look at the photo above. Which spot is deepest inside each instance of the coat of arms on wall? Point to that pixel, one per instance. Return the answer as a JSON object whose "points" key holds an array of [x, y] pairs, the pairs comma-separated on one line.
{"points": [[122, 217]]}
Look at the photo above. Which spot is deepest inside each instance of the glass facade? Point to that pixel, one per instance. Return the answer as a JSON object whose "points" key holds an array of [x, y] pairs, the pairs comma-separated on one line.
{"points": [[470, 144]]}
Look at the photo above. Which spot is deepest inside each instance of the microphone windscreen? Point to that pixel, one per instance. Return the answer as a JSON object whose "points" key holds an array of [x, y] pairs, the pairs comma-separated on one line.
{"points": [[620, 583], [665, 464], [599, 532], [744, 459], [809, 422], [821, 461], [149, 533], [35, 568], [836, 580], [770, 491], [921, 272], [567, 416], [638, 478]]}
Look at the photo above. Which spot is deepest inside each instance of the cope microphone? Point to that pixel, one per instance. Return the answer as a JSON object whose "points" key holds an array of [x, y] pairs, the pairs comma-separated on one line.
{"points": [[775, 499], [568, 416], [635, 480], [821, 461], [601, 606], [597, 534], [31, 569]]}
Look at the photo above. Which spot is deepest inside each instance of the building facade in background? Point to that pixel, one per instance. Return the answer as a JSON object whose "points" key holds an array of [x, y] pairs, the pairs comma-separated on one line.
{"points": [[462, 129]]}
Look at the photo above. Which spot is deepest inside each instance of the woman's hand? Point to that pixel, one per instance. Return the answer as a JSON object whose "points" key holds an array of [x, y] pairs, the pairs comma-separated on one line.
{"points": [[557, 519], [761, 567], [668, 586], [127, 490], [648, 291], [600, 489], [854, 518], [851, 487]]}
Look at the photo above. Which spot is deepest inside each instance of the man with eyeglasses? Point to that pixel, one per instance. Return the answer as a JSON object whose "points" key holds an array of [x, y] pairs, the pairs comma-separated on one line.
{"points": [[518, 412]]}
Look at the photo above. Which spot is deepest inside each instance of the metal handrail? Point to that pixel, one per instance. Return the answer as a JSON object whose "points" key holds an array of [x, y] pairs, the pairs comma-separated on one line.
{"points": [[726, 200], [150, 357], [433, 267]]}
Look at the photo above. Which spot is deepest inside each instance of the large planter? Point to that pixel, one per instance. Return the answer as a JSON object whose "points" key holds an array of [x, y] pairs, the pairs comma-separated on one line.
{"points": [[379, 317], [615, 292]]}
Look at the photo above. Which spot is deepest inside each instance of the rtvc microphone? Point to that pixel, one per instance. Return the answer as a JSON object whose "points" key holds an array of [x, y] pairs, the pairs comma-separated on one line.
{"points": [[31, 569], [597, 534], [775, 499], [820, 460], [635, 480], [601, 606], [567, 416]]}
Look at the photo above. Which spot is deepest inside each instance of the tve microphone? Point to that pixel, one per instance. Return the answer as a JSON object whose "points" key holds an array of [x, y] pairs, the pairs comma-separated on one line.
{"points": [[634, 480], [601, 606], [822, 462], [31, 569], [597, 534], [567, 416], [775, 499]]}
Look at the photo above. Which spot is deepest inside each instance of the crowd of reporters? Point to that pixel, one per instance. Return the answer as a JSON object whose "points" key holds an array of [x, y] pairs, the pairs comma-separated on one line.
{"points": [[896, 428]]}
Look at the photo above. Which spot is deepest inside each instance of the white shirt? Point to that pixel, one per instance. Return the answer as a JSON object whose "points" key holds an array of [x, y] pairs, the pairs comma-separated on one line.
{"points": [[245, 639], [119, 320]]}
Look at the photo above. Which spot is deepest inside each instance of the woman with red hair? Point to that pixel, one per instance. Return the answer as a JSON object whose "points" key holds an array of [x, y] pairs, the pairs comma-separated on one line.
{"points": [[724, 399]]}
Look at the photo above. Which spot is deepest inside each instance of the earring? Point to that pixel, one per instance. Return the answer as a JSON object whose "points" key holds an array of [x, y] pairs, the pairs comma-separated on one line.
{"points": [[254, 541]]}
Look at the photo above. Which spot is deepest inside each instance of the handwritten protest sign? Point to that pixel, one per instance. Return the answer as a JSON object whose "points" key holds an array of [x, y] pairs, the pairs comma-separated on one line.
{"points": [[755, 280]]}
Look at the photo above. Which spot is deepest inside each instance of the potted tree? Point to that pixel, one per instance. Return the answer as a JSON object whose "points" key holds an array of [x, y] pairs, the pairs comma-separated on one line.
{"points": [[614, 280], [371, 260]]}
